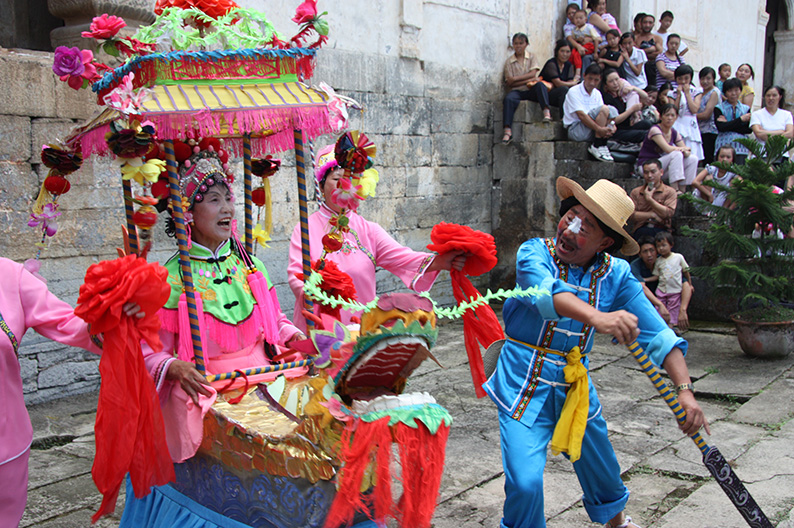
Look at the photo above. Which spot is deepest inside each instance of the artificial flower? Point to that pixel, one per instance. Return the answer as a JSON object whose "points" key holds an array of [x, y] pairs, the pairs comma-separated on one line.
{"points": [[68, 61], [335, 283], [345, 195], [265, 167], [130, 142], [260, 235], [306, 12], [138, 170], [354, 152], [366, 183], [46, 219], [124, 97], [61, 160], [104, 27]]}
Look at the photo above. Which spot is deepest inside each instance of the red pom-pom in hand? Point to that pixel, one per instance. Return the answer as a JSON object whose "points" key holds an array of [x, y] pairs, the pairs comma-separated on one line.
{"points": [[480, 246]]}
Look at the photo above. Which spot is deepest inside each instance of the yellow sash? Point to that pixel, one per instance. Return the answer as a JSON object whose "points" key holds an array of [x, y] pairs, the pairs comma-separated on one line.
{"points": [[569, 431]]}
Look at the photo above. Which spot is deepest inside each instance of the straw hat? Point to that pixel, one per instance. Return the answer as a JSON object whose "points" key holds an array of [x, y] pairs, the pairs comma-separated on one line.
{"points": [[608, 202]]}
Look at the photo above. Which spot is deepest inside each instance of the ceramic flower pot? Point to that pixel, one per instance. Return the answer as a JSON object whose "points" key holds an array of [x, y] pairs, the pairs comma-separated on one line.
{"points": [[77, 16], [765, 340]]}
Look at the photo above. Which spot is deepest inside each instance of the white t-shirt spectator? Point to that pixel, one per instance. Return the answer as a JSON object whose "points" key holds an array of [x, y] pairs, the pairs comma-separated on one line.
{"points": [[638, 57], [578, 100], [681, 47], [771, 122], [670, 272]]}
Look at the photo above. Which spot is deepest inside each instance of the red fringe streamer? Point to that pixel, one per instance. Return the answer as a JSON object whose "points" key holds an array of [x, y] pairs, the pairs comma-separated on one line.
{"points": [[422, 458]]}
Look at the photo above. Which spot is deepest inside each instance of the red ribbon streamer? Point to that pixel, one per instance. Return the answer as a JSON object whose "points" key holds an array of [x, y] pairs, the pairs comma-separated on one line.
{"points": [[130, 437], [480, 325]]}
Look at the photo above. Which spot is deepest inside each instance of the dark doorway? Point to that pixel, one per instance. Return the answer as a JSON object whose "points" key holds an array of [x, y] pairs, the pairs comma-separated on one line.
{"points": [[27, 24], [778, 21]]}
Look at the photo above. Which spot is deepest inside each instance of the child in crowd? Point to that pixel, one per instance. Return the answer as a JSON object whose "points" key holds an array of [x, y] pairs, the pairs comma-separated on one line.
{"points": [[584, 40], [669, 270], [649, 112], [725, 154], [710, 98], [687, 98], [724, 72], [634, 60], [569, 26], [662, 97], [610, 55]]}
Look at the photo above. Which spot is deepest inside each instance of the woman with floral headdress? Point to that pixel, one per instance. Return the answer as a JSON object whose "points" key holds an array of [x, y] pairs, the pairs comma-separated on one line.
{"points": [[241, 321], [362, 248]]}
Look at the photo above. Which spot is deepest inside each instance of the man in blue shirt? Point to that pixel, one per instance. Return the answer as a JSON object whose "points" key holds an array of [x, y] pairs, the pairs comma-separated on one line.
{"points": [[541, 386]]}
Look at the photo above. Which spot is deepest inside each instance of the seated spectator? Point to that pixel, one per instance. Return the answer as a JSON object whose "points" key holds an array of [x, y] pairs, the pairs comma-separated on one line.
{"points": [[724, 177], [649, 111], [634, 59], [600, 19], [584, 40], [687, 98], [654, 202], [667, 62], [626, 99], [586, 117], [560, 72], [568, 27], [725, 73], [709, 99], [669, 270], [664, 143], [732, 119], [610, 56], [648, 42], [522, 82], [772, 120], [744, 73], [642, 268], [665, 21]]}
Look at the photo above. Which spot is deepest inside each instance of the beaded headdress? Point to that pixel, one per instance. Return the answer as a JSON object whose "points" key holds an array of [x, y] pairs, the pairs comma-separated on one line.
{"points": [[200, 172]]}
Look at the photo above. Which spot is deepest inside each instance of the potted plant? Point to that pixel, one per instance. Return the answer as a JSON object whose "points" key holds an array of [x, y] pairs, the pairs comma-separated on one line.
{"points": [[752, 245]]}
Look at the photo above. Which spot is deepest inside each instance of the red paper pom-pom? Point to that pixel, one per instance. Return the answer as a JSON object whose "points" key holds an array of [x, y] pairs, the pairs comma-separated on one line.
{"points": [[182, 151], [449, 237], [56, 184], [336, 282], [160, 188], [154, 152], [258, 196]]}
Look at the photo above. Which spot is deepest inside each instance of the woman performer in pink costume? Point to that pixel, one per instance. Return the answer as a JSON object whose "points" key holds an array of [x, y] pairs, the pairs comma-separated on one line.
{"points": [[25, 302], [364, 248]]}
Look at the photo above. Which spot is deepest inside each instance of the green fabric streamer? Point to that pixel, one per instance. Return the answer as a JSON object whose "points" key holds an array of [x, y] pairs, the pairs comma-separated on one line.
{"points": [[238, 29], [430, 414], [312, 289]]}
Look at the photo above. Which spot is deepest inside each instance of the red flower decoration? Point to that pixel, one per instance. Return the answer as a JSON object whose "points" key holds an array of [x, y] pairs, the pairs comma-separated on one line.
{"points": [[336, 282], [213, 8], [448, 237], [62, 161], [265, 167], [306, 12], [104, 27]]}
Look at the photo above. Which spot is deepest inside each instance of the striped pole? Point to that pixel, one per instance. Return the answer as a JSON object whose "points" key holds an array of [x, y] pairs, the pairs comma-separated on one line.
{"points": [[665, 391], [132, 231], [304, 216], [184, 257], [260, 370], [249, 188]]}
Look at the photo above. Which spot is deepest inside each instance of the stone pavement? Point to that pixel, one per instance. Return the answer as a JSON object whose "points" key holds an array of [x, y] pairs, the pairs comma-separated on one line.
{"points": [[749, 402]]}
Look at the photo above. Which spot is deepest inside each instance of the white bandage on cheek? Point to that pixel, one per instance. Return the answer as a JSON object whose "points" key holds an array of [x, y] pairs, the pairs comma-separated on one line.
{"points": [[575, 225]]}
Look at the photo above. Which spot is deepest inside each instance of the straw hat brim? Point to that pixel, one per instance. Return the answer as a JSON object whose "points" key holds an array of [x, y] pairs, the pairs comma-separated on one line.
{"points": [[567, 188]]}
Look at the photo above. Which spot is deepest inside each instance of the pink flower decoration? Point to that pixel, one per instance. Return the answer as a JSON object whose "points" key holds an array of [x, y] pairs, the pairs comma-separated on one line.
{"points": [[46, 219], [68, 61], [104, 27], [345, 194], [306, 12]]}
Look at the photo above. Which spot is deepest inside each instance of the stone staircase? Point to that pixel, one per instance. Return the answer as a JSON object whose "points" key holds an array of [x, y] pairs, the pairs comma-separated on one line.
{"points": [[525, 202]]}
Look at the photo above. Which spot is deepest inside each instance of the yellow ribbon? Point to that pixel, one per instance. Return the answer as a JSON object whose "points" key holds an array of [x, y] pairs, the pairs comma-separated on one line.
{"points": [[569, 431]]}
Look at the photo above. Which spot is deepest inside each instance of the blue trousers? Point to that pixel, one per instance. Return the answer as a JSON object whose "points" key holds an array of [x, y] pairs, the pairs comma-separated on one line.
{"points": [[524, 460]]}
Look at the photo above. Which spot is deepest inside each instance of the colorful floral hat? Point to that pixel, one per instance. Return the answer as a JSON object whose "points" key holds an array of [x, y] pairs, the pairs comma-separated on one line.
{"points": [[326, 162], [200, 172]]}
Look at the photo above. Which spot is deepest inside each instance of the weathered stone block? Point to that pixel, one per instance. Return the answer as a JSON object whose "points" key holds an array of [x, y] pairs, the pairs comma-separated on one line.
{"points": [[571, 150], [390, 114], [18, 186], [459, 116], [14, 138], [405, 76], [345, 71], [421, 181], [474, 181], [30, 371], [484, 149], [68, 373], [535, 132], [47, 130], [509, 163], [455, 149]]}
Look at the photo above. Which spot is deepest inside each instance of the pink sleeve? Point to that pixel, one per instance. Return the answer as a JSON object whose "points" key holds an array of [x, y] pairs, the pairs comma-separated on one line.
{"points": [[157, 362], [50, 316], [409, 265]]}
